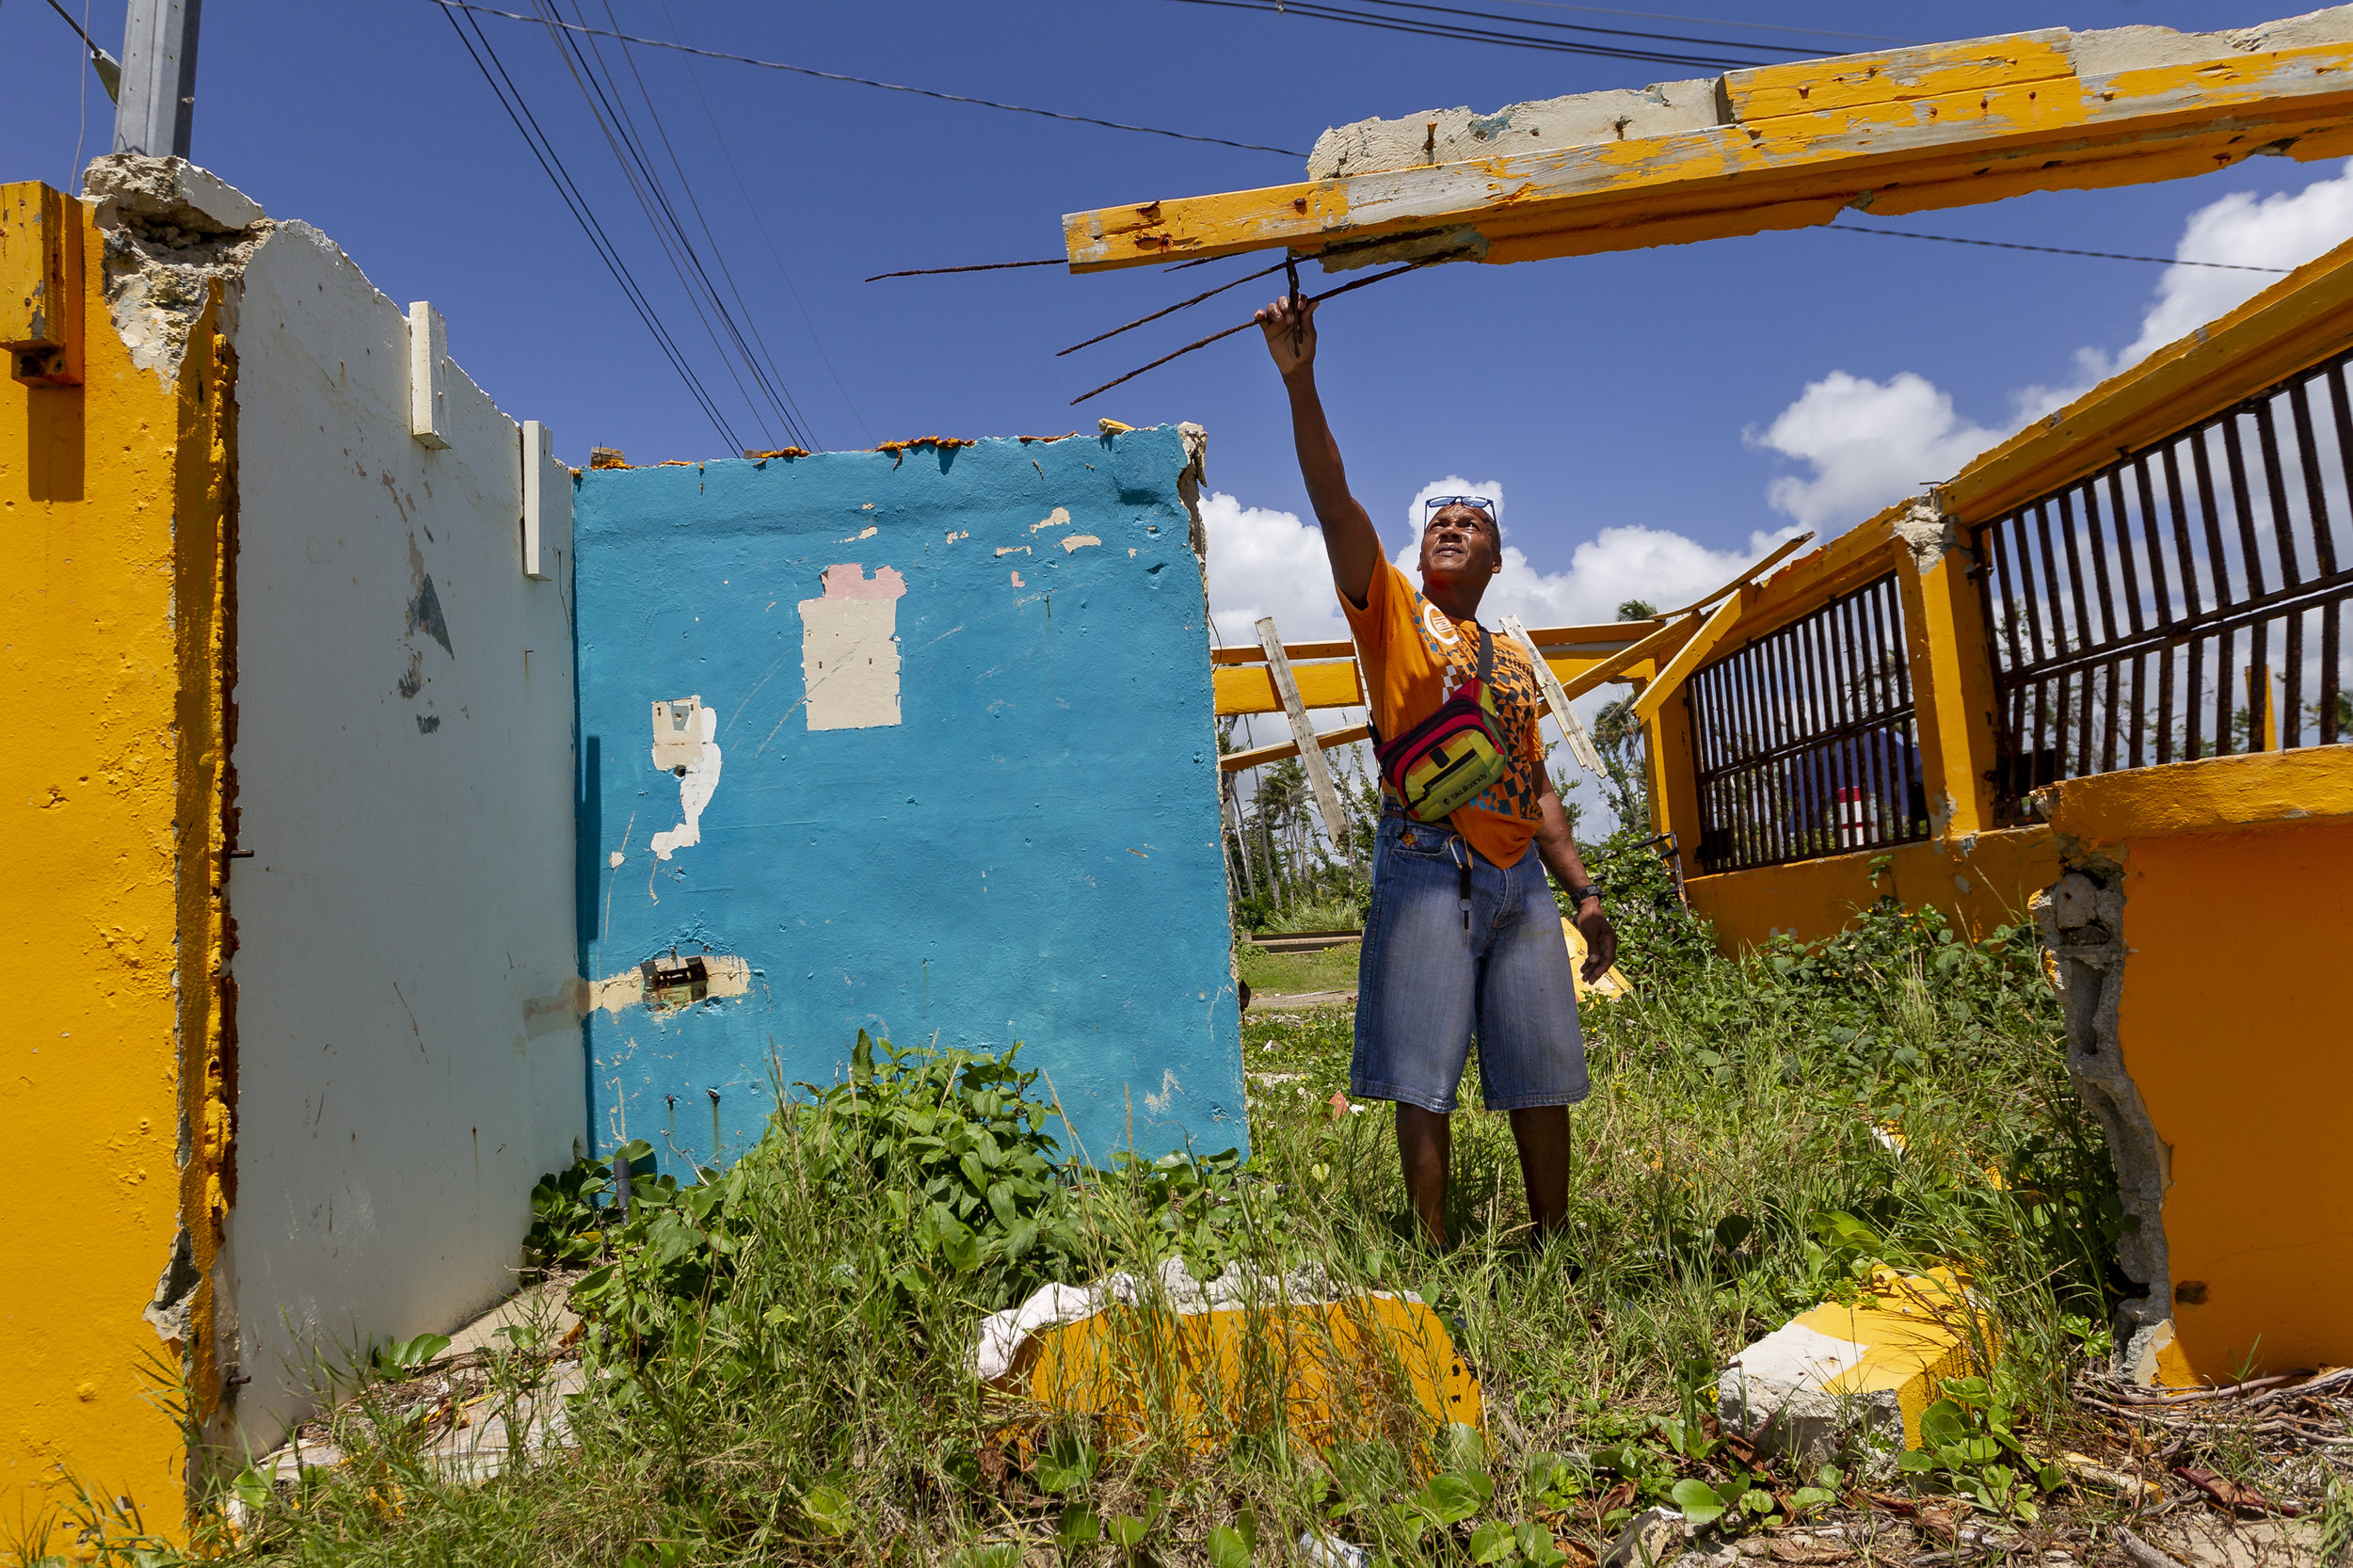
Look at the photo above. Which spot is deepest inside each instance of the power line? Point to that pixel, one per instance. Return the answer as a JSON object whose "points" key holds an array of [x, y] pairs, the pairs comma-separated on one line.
{"points": [[869, 82], [1417, 27], [1714, 21], [760, 226], [551, 164], [604, 100], [2049, 250], [1587, 27], [718, 255]]}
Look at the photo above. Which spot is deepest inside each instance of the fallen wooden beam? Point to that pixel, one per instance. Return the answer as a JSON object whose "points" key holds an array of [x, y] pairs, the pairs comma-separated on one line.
{"points": [[1327, 794], [1793, 145]]}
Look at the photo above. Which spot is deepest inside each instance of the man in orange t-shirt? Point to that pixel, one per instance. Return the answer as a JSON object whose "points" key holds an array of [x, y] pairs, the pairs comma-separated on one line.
{"points": [[1464, 939]]}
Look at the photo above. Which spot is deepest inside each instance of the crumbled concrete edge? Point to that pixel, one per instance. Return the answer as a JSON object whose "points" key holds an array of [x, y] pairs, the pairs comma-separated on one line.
{"points": [[2080, 919], [171, 230], [1927, 532], [1459, 134], [1189, 485], [1701, 104]]}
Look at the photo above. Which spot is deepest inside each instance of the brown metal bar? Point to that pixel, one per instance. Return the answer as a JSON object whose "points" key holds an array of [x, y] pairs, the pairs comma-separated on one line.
{"points": [[2099, 563], [2276, 489], [2331, 678], [2118, 513], [2235, 455], [2291, 721], [1170, 310]]}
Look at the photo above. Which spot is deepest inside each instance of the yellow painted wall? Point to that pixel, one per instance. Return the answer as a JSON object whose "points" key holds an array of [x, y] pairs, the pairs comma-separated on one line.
{"points": [[2234, 1023], [1979, 883], [98, 777]]}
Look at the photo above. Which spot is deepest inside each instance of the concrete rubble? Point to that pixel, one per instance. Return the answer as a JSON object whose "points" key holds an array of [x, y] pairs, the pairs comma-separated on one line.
{"points": [[174, 231]]}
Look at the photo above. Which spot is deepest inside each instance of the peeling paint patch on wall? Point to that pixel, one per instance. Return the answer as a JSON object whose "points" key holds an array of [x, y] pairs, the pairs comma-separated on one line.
{"points": [[850, 648], [686, 745]]}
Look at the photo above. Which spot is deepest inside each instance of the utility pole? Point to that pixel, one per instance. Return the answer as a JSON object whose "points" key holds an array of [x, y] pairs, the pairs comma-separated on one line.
{"points": [[158, 78]]}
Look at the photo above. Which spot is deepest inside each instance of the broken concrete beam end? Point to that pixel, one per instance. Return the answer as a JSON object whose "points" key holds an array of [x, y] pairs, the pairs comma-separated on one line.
{"points": [[166, 191], [1856, 1371]]}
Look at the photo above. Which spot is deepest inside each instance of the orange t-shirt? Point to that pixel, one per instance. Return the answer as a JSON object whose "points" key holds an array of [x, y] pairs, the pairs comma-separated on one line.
{"points": [[1414, 655]]}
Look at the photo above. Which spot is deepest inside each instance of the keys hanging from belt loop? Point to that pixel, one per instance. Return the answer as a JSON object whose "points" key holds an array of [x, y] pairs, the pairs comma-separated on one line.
{"points": [[1463, 881], [1299, 307]]}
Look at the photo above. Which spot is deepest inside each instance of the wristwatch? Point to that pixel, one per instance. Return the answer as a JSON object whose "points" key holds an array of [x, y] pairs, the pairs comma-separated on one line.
{"points": [[1578, 895]]}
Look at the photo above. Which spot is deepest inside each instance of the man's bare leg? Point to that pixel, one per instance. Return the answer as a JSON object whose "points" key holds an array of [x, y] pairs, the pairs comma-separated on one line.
{"points": [[1541, 1133], [1425, 1146]]}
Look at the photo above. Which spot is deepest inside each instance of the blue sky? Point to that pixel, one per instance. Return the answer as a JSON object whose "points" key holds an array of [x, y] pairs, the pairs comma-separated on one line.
{"points": [[1620, 390]]}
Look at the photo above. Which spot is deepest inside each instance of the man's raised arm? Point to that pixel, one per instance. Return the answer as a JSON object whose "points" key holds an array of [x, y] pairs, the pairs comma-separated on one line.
{"points": [[1349, 537]]}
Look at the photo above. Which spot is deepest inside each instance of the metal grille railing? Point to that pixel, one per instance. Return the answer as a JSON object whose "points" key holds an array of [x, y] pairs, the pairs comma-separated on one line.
{"points": [[2135, 615], [1805, 740]]}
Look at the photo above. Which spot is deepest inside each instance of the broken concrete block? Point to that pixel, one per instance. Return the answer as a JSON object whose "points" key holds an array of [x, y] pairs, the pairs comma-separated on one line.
{"points": [[1208, 1358], [1856, 1370], [169, 191]]}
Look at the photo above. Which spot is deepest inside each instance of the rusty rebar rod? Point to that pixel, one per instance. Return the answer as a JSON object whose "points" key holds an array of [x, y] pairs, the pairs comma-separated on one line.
{"points": [[982, 266], [1169, 310], [1312, 300]]}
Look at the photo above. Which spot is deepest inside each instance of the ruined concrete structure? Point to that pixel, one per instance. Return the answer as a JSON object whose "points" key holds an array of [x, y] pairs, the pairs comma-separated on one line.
{"points": [[319, 927], [303, 598], [318, 802], [931, 755]]}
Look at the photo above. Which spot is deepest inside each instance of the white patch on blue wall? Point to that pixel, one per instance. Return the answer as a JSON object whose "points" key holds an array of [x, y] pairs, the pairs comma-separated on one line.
{"points": [[1159, 1104], [685, 745], [850, 649]]}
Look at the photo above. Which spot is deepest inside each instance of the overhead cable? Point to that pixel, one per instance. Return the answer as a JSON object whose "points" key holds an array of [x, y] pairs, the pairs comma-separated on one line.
{"points": [[502, 84], [1713, 22], [2051, 250], [1427, 6], [760, 225], [774, 377], [869, 82], [606, 103], [1421, 27]]}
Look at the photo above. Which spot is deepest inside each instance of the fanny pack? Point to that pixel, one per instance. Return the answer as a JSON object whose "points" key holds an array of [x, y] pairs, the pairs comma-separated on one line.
{"points": [[1451, 758]]}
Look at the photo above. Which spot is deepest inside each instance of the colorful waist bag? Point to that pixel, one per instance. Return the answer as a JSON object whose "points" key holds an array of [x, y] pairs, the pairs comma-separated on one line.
{"points": [[1450, 759]]}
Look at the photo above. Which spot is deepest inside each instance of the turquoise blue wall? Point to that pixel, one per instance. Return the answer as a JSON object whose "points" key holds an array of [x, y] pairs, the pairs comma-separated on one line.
{"points": [[1032, 854]]}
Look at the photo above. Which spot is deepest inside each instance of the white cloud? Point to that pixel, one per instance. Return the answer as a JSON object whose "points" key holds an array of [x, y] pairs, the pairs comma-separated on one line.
{"points": [[1869, 443], [2283, 229], [1263, 562]]}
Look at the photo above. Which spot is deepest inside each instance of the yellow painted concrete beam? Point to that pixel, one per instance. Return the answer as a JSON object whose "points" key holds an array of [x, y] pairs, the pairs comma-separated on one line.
{"points": [[1242, 688], [1898, 131], [2311, 785], [117, 496], [1692, 653], [1333, 1372]]}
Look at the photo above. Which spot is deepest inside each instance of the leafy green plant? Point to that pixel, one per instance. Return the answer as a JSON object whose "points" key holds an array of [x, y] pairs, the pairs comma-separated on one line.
{"points": [[398, 1359], [1968, 1446]]}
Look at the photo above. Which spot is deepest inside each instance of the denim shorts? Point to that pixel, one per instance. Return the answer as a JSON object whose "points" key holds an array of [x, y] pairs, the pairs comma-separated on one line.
{"points": [[1425, 986]]}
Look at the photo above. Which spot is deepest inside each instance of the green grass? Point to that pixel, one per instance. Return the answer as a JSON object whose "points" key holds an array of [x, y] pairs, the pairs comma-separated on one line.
{"points": [[779, 1364], [1297, 973]]}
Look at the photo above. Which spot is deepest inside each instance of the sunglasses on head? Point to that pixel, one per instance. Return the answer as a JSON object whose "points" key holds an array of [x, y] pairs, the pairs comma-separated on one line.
{"points": [[1437, 503]]}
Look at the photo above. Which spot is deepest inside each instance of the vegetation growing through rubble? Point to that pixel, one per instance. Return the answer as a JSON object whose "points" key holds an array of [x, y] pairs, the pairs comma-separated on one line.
{"points": [[777, 1356]]}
